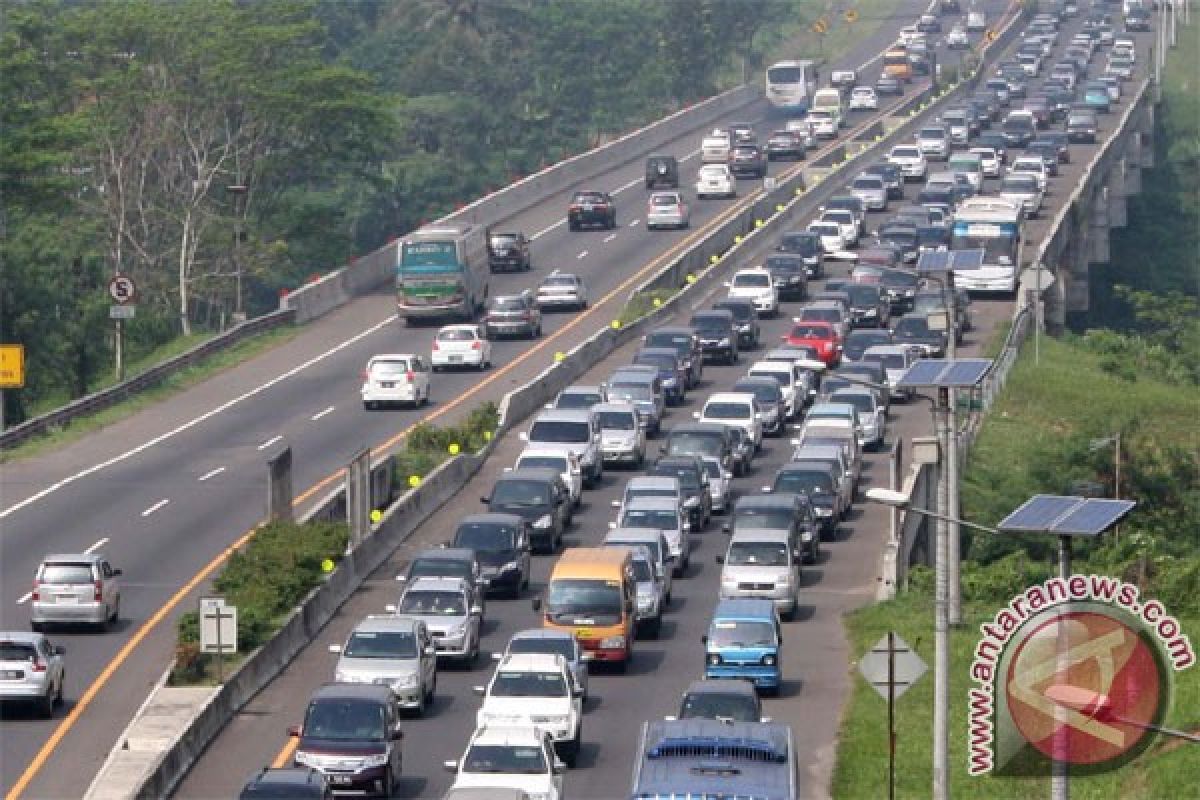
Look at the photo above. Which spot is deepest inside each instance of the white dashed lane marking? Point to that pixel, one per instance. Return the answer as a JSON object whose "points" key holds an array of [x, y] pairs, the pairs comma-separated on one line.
{"points": [[320, 414], [269, 442], [155, 507], [212, 473]]}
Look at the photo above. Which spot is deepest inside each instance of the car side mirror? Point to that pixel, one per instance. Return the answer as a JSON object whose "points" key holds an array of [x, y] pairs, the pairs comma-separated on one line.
{"points": [[390, 608], [704, 639], [430, 650], [523, 436], [477, 610], [335, 648], [59, 650], [397, 734], [479, 690], [726, 527], [559, 767], [695, 415], [293, 730], [720, 559], [549, 406], [484, 500], [536, 603]]}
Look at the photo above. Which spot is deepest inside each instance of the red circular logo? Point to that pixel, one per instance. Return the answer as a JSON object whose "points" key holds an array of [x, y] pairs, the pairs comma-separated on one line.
{"points": [[1083, 685]]}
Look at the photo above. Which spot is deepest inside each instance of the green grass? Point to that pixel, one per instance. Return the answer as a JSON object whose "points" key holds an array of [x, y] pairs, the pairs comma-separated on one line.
{"points": [[172, 386], [1165, 771], [642, 303]]}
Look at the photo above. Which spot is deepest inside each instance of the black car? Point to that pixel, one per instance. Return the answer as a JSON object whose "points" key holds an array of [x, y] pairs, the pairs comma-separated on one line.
{"points": [[684, 342], [446, 562], [819, 482], [288, 783], [785, 144], [789, 275], [717, 333], [693, 481], [1082, 126], [1019, 129], [745, 320], [949, 7], [899, 287], [1059, 138], [887, 85], [728, 701], [357, 727], [916, 331], [868, 307], [508, 252], [662, 172], [933, 237], [591, 208], [995, 140], [858, 340], [747, 160], [501, 543], [1048, 151], [710, 439], [902, 236], [538, 495], [1137, 20], [807, 245]]}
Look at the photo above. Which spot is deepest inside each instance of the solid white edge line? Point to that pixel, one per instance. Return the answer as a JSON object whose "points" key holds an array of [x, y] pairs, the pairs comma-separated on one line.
{"points": [[269, 442], [320, 414], [545, 230], [212, 473], [155, 507], [54, 487]]}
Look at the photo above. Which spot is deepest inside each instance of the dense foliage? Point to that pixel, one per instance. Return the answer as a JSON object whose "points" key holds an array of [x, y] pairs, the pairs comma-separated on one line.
{"points": [[347, 123]]}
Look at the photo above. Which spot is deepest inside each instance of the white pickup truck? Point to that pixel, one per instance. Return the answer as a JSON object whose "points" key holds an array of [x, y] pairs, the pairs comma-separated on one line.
{"points": [[714, 148], [535, 690]]}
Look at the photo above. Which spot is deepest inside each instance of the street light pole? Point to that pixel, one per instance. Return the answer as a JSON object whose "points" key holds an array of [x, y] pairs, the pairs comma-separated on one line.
{"points": [[941, 622], [238, 192]]}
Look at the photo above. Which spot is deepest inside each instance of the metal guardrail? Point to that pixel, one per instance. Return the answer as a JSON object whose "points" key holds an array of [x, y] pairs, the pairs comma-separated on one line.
{"points": [[106, 398]]}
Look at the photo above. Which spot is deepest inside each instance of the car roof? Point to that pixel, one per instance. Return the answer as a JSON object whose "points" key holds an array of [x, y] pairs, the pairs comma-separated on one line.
{"points": [[446, 554], [744, 608], [650, 503], [392, 623], [532, 662], [507, 735], [652, 481], [807, 465], [73, 558], [543, 451], [21, 637], [636, 536], [730, 397], [761, 535], [490, 517], [542, 633], [283, 776], [531, 474], [431, 584], [610, 408], [772, 500], [719, 686], [563, 415], [353, 691]]}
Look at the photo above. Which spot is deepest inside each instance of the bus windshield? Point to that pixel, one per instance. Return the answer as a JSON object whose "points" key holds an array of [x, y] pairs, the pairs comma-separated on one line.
{"points": [[999, 248]]}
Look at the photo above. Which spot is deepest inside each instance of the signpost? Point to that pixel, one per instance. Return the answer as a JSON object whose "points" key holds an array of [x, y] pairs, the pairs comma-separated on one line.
{"points": [[891, 667], [218, 630], [12, 372], [123, 292]]}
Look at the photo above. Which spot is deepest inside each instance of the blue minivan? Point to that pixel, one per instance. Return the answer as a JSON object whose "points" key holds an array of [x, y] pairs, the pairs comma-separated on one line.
{"points": [[744, 640]]}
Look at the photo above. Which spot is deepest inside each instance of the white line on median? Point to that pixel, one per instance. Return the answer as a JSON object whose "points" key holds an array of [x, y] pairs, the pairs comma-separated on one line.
{"points": [[320, 414], [155, 507], [582, 254], [212, 473], [609, 238], [269, 442], [100, 543], [391, 320]]}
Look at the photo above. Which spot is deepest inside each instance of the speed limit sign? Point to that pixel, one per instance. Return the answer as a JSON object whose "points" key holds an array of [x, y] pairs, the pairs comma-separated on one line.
{"points": [[122, 289]]}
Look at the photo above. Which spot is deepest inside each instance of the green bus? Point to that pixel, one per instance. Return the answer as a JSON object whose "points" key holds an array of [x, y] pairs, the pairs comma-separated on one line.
{"points": [[442, 272]]}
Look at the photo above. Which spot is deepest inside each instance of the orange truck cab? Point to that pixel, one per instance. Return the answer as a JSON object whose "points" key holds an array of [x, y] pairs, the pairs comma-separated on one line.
{"points": [[592, 592], [896, 64]]}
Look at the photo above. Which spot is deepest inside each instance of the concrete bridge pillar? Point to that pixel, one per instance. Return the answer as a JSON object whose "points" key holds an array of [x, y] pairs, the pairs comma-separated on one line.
{"points": [[1098, 222], [1054, 306]]}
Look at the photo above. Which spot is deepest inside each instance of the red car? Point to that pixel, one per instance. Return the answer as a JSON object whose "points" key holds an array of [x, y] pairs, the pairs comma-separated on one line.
{"points": [[821, 335]]}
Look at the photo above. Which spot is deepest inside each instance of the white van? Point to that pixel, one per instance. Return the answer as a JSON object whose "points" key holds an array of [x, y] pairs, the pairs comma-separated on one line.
{"points": [[969, 164], [830, 100]]}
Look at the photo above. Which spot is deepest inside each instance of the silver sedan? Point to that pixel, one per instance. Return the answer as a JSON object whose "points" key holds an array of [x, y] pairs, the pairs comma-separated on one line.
{"points": [[667, 210]]}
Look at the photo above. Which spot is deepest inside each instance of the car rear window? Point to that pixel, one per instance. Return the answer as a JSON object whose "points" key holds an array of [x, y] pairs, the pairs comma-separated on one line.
{"points": [[456, 335], [17, 651], [66, 573]]}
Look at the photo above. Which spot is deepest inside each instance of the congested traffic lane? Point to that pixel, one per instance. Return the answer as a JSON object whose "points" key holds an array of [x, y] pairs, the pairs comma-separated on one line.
{"points": [[203, 454]]}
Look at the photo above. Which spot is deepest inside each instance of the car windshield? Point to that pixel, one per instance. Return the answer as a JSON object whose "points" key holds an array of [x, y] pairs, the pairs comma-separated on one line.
{"points": [[642, 571], [710, 325], [521, 493], [759, 554], [447, 604], [661, 360], [822, 314], [758, 517], [861, 402], [346, 720], [741, 633], [665, 200], [66, 573], [559, 431], [589, 197], [714, 705], [576, 400], [536, 644], [593, 600], [722, 410], [687, 476], [440, 568], [868, 183], [381, 644], [784, 264], [528, 684], [663, 519], [503, 239], [712, 172], [801, 244], [752, 279], [741, 311], [686, 444], [560, 280], [505, 760], [485, 536], [764, 392], [912, 326], [906, 152], [456, 335], [809, 482], [862, 295], [1019, 183], [617, 421], [556, 463]]}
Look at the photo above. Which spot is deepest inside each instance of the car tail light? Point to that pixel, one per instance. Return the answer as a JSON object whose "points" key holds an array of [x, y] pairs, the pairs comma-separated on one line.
{"points": [[679, 208], [36, 594], [98, 593], [476, 345], [435, 345], [366, 375], [38, 666], [408, 376]]}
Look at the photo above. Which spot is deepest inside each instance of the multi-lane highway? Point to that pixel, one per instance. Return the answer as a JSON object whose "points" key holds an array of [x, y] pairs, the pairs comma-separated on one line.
{"points": [[169, 490], [203, 455], [814, 664]]}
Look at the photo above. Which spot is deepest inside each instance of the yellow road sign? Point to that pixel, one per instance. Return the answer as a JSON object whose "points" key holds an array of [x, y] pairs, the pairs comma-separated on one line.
{"points": [[12, 366], [851, 15], [990, 36], [820, 26]]}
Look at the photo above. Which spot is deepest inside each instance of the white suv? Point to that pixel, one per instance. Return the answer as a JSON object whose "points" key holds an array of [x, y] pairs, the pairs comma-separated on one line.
{"points": [[535, 689], [31, 671], [395, 378], [575, 431], [755, 284], [510, 758]]}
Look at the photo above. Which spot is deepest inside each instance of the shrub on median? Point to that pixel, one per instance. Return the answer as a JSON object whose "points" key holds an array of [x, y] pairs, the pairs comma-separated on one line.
{"points": [[642, 303], [427, 446]]}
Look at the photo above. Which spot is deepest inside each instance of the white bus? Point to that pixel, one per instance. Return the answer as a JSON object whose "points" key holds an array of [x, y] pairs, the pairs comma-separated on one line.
{"points": [[993, 225], [790, 86], [442, 272]]}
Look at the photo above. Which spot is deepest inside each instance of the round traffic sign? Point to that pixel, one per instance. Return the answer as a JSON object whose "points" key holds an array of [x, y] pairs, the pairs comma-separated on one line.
{"points": [[122, 289], [991, 35], [851, 15], [819, 26]]}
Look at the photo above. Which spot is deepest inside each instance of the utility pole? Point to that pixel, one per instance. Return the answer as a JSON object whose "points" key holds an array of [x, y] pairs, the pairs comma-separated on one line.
{"points": [[238, 192], [1060, 776], [954, 533], [941, 622]]}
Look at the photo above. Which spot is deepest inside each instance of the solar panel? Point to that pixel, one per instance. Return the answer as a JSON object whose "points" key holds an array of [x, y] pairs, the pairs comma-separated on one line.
{"points": [[961, 373], [1068, 516], [934, 261]]}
